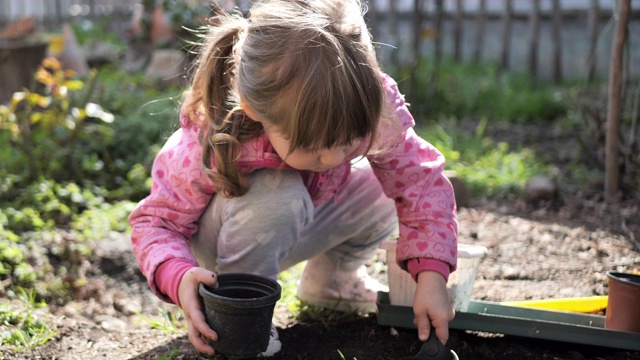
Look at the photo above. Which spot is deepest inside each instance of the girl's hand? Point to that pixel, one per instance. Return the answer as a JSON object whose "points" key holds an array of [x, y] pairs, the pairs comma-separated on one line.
{"points": [[431, 306], [189, 298]]}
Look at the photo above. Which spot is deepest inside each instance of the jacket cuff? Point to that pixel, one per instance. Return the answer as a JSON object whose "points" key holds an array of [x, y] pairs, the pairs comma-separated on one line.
{"points": [[417, 265], [168, 275]]}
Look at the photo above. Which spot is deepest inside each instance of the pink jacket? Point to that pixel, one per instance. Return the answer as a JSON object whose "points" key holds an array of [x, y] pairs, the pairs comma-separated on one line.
{"points": [[410, 171]]}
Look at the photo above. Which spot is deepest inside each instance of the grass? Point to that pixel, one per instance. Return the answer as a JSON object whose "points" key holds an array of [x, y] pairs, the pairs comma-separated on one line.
{"points": [[168, 321], [23, 324]]}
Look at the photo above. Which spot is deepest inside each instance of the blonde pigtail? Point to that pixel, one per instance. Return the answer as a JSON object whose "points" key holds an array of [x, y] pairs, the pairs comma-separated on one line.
{"points": [[224, 124]]}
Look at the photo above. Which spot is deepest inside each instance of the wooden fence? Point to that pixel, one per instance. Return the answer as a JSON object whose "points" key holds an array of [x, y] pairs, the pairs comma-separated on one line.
{"points": [[50, 14], [550, 39]]}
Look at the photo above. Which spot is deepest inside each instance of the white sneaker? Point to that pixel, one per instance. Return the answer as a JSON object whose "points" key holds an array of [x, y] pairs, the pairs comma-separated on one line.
{"points": [[324, 286], [274, 343]]}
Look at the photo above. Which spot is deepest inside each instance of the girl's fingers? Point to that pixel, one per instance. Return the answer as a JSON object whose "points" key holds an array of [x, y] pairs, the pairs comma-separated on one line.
{"points": [[424, 327], [200, 275], [442, 332], [199, 331], [199, 323], [207, 277], [197, 341], [197, 312]]}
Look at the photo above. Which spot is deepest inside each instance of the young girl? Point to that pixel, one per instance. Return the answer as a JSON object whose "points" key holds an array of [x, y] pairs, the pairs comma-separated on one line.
{"points": [[295, 146]]}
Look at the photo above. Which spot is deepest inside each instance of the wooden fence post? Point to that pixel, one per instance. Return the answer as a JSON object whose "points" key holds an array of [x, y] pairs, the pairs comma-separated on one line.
{"points": [[612, 168], [480, 24], [439, 13], [534, 23], [506, 34], [556, 28], [594, 28], [418, 9], [458, 31], [374, 23], [393, 26], [60, 16]]}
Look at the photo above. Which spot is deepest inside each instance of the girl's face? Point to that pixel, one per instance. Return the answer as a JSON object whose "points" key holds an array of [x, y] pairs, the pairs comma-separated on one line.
{"points": [[313, 160]]}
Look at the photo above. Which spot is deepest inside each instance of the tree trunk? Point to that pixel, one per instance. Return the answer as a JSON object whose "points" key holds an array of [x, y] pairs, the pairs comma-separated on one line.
{"points": [[612, 168]]}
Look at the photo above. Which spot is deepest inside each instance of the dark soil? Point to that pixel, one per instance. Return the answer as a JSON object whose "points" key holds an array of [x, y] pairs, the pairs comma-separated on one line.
{"points": [[554, 249]]}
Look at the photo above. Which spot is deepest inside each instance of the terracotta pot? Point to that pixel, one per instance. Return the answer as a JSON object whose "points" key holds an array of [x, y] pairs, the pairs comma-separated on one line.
{"points": [[240, 310], [623, 312]]}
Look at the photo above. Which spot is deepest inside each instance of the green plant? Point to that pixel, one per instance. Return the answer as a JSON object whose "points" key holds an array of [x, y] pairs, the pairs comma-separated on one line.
{"points": [[477, 90], [97, 222], [15, 269], [342, 355], [45, 204], [184, 14], [168, 322], [51, 130], [184, 17], [488, 167], [143, 121], [588, 120], [288, 281], [24, 328], [87, 31], [174, 353]]}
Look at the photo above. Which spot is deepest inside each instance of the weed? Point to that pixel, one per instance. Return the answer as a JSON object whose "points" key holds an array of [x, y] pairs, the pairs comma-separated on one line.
{"points": [[23, 326], [171, 356], [342, 355], [169, 322], [488, 167]]}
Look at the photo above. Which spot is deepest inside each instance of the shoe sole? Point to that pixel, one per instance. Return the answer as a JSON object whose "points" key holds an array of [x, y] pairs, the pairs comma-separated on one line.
{"points": [[273, 348], [343, 305]]}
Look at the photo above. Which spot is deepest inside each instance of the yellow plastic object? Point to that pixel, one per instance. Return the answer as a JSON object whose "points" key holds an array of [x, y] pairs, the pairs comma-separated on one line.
{"points": [[589, 304]]}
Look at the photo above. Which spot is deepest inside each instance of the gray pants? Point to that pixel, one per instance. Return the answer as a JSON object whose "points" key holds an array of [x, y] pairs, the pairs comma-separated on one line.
{"points": [[275, 225]]}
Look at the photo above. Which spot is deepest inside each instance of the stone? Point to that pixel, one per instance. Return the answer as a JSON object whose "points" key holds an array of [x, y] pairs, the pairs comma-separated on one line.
{"points": [[541, 188]]}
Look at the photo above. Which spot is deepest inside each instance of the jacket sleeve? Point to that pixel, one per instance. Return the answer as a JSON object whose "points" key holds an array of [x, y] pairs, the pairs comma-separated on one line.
{"points": [[163, 223], [411, 172]]}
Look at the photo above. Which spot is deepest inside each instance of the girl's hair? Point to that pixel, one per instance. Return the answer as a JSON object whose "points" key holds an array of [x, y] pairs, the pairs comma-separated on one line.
{"points": [[306, 66]]}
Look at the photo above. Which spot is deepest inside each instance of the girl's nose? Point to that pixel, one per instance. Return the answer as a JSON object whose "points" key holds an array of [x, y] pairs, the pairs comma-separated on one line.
{"points": [[332, 157]]}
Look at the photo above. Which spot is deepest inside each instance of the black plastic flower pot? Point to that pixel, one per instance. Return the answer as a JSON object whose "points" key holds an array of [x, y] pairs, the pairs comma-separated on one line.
{"points": [[240, 310]]}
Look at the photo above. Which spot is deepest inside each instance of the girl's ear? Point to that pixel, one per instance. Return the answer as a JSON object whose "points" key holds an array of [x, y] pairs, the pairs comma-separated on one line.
{"points": [[249, 112]]}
